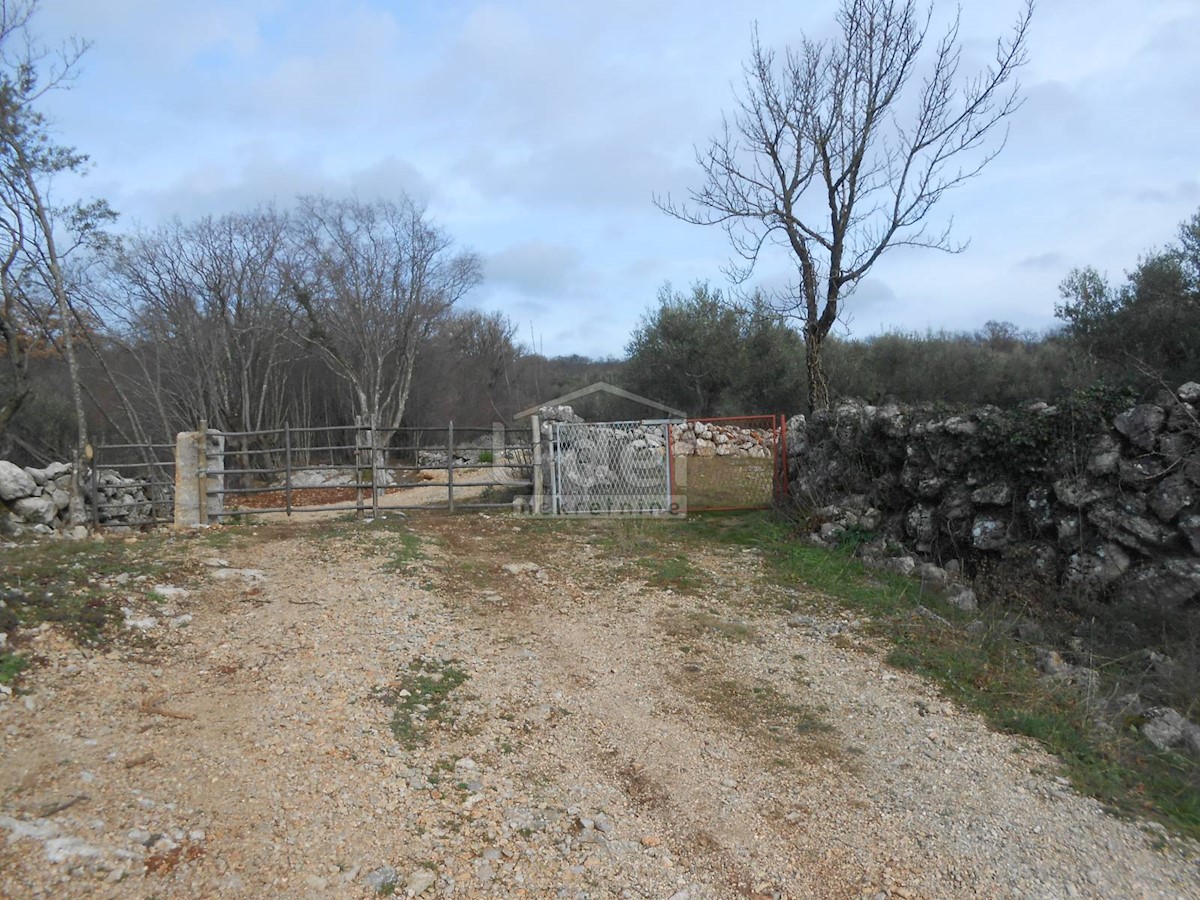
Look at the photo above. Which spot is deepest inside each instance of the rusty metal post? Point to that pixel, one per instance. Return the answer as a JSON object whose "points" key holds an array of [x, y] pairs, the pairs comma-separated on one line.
{"points": [[450, 467]]}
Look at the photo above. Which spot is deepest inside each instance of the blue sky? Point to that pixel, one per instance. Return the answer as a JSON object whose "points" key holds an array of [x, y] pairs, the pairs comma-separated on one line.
{"points": [[537, 132]]}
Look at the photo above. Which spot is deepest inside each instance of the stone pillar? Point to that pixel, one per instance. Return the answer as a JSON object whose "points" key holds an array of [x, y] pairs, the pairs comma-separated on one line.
{"points": [[188, 502]]}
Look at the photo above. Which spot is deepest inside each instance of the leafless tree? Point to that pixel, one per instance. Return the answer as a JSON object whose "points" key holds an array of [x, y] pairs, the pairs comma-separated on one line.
{"points": [[371, 281], [841, 149], [202, 309], [38, 236]]}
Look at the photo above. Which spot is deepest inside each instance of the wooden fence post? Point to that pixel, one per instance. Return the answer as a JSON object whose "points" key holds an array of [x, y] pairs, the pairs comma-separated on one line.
{"points": [[358, 498], [375, 454]]}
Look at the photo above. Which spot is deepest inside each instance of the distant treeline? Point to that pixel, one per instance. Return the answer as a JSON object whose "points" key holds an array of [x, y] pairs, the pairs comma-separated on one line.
{"points": [[190, 322]]}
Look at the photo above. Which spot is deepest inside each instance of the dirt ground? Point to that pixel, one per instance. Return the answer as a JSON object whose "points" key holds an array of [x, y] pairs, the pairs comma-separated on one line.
{"points": [[497, 707]]}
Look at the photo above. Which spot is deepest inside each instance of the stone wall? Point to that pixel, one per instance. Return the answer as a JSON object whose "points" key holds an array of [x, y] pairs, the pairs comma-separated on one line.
{"points": [[721, 439], [35, 501], [1104, 503]]}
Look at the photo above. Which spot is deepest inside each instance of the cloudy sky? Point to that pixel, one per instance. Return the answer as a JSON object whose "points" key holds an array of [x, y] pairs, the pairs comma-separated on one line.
{"points": [[538, 130]]}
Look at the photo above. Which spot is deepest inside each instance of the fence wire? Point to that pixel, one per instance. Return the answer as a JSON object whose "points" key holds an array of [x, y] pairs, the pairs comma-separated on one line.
{"points": [[612, 468]]}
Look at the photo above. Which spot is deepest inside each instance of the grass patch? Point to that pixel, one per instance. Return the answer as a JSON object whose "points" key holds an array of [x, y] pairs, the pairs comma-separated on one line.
{"points": [[420, 699], [674, 572], [11, 665], [75, 583], [390, 538], [759, 709], [983, 668], [697, 624]]}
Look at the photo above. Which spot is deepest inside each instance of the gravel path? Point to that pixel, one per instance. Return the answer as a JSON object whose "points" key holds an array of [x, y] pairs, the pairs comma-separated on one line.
{"points": [[610, 739]]}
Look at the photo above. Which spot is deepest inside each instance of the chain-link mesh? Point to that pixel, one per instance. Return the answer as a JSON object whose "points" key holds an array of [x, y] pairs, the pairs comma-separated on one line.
{"points": [[611, 468]]}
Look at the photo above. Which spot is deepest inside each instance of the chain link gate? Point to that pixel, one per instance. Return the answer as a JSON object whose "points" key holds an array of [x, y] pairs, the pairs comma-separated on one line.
{"points": [[611, 468]]}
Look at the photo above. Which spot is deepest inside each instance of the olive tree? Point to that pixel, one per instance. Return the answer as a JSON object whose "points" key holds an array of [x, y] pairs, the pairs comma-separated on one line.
{"points": [[840, 149]]}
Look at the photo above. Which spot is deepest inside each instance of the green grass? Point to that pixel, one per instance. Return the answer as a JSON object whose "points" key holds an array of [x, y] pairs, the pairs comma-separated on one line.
{"points": [[390, 538], [73, 583], [673, 572], [983, 668], [11, 665], [420, 700], [697, 624]]}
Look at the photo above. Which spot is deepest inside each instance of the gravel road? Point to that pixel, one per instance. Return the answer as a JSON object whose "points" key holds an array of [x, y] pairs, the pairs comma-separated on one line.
{"points": [[608, 739]]}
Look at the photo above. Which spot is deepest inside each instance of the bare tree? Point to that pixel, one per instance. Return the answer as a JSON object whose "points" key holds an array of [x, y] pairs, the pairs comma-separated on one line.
{"points": [[210, 295], [371, 281], [840, 150], [38, 235]]}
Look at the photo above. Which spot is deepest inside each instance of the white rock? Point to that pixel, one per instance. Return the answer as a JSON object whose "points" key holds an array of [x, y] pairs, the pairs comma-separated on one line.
{"points": [[39, 510], [246, 574], [963, 598], [133, 620], [15, 482], [61, 849], [419, 881], [522, 568]]}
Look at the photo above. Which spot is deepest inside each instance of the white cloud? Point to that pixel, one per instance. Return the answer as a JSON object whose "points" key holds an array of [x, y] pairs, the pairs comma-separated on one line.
{"points": [[536, 268], [538, 131]]}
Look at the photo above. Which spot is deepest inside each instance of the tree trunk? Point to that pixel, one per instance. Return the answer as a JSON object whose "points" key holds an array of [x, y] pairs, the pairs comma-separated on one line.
{"points": [[814, 367], [77, 515]]}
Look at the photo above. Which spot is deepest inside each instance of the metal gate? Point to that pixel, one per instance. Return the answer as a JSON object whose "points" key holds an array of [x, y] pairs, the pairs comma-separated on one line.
{"points": [[612, 468]]}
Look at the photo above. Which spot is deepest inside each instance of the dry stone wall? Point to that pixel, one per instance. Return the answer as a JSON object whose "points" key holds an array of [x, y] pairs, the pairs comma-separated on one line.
{"points": [[1106, 504], [35, 501], [717, 439]]}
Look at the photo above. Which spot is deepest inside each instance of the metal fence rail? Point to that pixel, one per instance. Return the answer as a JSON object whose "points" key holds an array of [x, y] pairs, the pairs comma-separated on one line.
{"points": [[143, 472], [379, 460]]}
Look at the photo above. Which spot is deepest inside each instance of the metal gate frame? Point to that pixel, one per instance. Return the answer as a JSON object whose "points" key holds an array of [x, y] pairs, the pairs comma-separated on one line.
{"points": [[646, 502], [362, 459], [777, 426]]}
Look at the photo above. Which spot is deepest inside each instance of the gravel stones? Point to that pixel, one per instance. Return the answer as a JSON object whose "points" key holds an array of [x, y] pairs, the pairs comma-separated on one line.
{"points": [[579, 756]]}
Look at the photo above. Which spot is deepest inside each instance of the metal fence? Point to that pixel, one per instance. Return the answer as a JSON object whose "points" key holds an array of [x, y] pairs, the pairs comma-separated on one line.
{"points": [[133, 484], [730, 463], [611, 468], [357, 468]]}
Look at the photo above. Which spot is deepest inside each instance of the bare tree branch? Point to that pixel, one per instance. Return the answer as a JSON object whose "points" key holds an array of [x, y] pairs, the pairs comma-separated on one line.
{"points": [[821, 157]]}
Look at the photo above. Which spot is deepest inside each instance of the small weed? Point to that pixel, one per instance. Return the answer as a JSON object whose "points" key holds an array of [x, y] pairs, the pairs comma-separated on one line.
{"points": [[404, 550], [698, 624], [11, 665], [674, 572], [420, 700], [486, 456]]}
